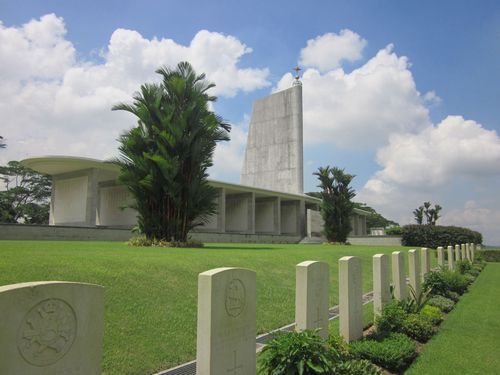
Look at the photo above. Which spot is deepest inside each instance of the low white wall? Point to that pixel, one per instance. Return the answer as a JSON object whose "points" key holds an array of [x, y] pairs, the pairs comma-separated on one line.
{"points": [[375, 240]]}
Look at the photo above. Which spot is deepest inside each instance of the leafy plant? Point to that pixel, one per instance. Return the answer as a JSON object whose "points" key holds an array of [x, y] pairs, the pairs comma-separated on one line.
{"points": [[443, 303], [394, 351], [143, 241], [391, 319], [445, 281], [355, 367], [432, 236], [418, 327], [164, 159], [291, 353], [415, 302], [433, 314]]}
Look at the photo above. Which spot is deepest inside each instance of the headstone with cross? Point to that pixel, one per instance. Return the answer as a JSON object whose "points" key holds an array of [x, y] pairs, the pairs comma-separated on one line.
{"points": [[311, 296], [350, 298], [399, 275], [51, 327], [451, 261], [414, 271], [226, 322], [440, 256], [381, 282]]}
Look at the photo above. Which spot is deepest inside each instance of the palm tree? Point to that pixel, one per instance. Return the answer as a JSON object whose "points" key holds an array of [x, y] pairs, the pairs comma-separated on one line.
{"points": [[337, 206], [2, 143], [164, 159]]}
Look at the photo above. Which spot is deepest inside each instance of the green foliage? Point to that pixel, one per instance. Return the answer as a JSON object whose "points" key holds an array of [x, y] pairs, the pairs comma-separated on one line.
{"points": [[444, 282], [336, 207], [431, 214], [443, 303], [392, 318], [454, 296], [291, 353], [394, 351], [463, 266], [433, 314], [26, 195], [164, 159], [414, 303], [418, 327], [143, 241], [374, 219], [432, 236], [394, 231], [355, 367], [2, 143], [489, 255]]}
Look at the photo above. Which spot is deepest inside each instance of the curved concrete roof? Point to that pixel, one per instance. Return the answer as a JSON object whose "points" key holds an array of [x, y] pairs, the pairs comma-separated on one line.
{"points": [[64, 164]]}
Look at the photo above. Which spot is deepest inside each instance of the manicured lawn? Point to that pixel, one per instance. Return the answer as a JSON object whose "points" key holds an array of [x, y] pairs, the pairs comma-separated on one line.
{"points": [[468, 342], [150, 321]]}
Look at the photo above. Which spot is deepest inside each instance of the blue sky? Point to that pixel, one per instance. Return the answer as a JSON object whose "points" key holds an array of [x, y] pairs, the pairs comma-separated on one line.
{"points": [[402, 94]]}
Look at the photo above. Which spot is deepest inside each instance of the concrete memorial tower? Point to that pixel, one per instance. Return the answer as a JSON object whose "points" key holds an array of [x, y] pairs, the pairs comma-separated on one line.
{"points": [[274, 151]]}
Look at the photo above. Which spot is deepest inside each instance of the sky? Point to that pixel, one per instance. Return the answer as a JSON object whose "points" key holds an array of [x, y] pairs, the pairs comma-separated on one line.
{"points": [[404, 95]]}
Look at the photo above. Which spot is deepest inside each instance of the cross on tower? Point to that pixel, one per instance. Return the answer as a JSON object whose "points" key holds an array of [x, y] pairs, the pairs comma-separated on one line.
{"points": [[297, 77], [235, 368]]}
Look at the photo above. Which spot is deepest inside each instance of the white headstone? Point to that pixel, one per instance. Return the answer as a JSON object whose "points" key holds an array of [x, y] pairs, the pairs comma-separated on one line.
{"points": [[414, 268], [457, 253], [399, 275], [440, 255], [311, 296], [451, 262], [381, 282], [426, 262], [51, 328], [350, 298], [226, 322], [462, 254], [467, 251], [473, 251]]}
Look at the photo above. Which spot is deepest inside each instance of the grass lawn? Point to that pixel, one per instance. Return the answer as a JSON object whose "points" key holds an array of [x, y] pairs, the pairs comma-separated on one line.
{"points": [[151, 293], [468, 342]]}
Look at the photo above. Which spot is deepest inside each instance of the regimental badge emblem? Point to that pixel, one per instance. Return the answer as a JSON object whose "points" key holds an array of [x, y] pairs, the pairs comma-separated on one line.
{"points": [[47, 332], [235, 297]]}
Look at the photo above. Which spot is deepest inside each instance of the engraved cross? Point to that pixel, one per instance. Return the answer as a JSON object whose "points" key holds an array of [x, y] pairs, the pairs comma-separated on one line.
{"points": [[235, 368]]}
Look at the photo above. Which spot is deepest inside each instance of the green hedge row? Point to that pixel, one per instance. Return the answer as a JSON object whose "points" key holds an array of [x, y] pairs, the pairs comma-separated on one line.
{"points": [[490, 255], [433, 236]]}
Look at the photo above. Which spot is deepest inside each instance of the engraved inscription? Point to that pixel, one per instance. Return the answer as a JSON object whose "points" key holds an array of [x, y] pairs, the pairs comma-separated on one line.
{"points": [[47, 332], [235, 297]]}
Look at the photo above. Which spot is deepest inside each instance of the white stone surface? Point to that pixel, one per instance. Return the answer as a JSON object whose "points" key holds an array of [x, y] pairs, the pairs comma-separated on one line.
{"points": [[274, 151], [226, 322], [457, 253], [311, 296], [112, 203], [467, 251], [463, 256], [381, 282], [315, 223], [440, 256], [414, 270], [399, 275], [451, 261], [426, 262], [350, 298], [70, 202], [51, 328], [473, 251]]}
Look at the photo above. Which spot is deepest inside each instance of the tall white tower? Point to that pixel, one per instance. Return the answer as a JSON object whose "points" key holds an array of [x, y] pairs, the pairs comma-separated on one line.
{"points": [[274, 151]]}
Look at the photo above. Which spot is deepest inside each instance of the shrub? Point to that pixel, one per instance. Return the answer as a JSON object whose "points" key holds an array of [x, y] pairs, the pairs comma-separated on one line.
{"points": [[291, 353], [432, 236], [469, 278], [444, 281], [394, 231], [355, 367], [454, 296], [392, 318], [394, 351], [414, 303], [432, 314], [489, 255], [143, 241], [463, 266], [443, 303], [418, 327]]}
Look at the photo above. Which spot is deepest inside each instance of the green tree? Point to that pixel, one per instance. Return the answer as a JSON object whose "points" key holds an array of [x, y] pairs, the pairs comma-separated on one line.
{"points": [[336, 207], [375, 219], [418, 213], [164, 159], [26, 195], [430, 213], [2, 143]]}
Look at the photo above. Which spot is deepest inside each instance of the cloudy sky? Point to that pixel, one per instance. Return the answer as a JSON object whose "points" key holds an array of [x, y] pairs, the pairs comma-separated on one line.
{"points": [[404, 96]]}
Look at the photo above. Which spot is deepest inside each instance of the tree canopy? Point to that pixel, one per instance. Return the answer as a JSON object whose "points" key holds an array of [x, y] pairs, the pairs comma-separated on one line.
{"points": [[375, 219], [336, 207], [164, 159], [2, 143], [26, 195], [430, 213]]}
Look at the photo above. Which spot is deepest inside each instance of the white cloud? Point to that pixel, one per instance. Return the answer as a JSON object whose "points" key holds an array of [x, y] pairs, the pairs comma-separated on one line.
{"points": [[362, 108], [327, 51], [53, 103]]}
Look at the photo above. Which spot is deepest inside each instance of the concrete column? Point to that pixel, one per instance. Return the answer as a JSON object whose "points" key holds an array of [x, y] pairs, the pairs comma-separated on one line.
{"points": [[451, 262], [440, 254], [426, 262], [414, 270], [311, 296], [251, 213], [462, 253], [381, 282], [457, 253], [350, 298], [92, 199], [226, 322], [399, 275], [277, 216], [221, 210]]}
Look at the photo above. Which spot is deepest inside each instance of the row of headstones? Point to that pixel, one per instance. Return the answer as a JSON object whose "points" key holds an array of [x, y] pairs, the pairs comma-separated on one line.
{"points": [[57, 327]]}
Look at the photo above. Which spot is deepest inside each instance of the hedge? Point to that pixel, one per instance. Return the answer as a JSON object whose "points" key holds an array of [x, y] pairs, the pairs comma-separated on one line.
{"points": [[490, 255], [433, 236]]}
